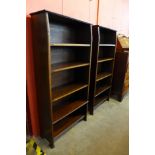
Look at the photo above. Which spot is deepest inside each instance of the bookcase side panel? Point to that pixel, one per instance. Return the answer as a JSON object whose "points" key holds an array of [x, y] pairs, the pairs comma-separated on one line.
{"points": [[41, 56]]}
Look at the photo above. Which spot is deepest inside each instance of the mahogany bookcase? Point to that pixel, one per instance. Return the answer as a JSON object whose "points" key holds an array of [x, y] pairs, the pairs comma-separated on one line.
{"points": [[102, 63], [62, 57]]}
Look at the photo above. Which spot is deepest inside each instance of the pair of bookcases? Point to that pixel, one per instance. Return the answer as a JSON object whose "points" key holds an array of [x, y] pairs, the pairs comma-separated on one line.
{"points": [[73, 63]]}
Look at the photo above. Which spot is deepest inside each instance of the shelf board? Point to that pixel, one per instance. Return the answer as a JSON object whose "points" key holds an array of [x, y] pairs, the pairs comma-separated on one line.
{"points": [[69, 44], [65, 66], [113, 45], [104, 60], [103, 75], [101, 90], [67, 124], [63, 91], [66, 109], [99, 101]]}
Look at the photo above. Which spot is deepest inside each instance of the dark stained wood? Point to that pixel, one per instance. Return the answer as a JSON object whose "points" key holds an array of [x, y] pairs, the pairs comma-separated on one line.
{"points": [[120, 83], [66, 124], [100, 100], [72, 45], [62, 56], [94, 57], [65, 66], [101, 90], [103, 55], [65, 109], [103, 75], [106, 52], [63, 91], [41, 55], [104, 59], [68, 32], [28, 119]]}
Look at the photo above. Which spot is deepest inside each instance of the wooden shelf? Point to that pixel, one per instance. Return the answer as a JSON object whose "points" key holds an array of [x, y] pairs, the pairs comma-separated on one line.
{"points": [[113, 45], [66, 109], [103, 75], [63, 91], [104, 60], [100, 100], [65, 125], [65, 66], [101, 90], [69, 44]]}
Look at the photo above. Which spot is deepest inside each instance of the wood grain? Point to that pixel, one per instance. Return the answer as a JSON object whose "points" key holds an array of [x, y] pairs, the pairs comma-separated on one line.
{"points": [[65, 66], [66, 124], [101, 90], [66, 109], [70, 44], [104, 59], [103, 75], [63, 91]]}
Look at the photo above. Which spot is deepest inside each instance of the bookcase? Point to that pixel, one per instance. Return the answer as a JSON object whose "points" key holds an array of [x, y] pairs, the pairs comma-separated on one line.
{"points": [[120, 82], [102, 63], [62, 60]]}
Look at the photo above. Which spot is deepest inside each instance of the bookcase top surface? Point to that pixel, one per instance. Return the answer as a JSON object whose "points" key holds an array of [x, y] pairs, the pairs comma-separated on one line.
{"points": [[55, 15]]}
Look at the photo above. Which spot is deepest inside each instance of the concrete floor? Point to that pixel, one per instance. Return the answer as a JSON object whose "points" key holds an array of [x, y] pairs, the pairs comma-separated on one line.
{"points": [[104, 133]]}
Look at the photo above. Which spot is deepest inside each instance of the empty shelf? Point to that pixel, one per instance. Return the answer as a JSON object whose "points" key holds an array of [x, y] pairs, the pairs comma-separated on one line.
{"points": [[63, 91], [100, 100], [105, 59], [101, 90], [107, 45], [66, 109], [67, 44], [66, 66], [103, 75], [65, 125]]}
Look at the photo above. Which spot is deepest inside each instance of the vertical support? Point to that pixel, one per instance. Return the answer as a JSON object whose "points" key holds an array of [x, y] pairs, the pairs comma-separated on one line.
{"points": [[93, 68]]}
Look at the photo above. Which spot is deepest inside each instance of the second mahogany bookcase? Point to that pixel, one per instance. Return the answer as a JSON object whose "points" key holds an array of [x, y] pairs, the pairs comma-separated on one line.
{"points": [[102, 63]]}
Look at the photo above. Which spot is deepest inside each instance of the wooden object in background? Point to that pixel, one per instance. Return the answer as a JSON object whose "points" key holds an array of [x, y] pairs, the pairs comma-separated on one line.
{"points": [[120, 84], [62, 50], [103, 54]]}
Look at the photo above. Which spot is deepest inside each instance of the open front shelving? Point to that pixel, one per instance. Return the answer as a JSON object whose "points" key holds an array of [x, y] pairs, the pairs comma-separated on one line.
{"points": [[103, 75], [65, 66], [65, 125], [104, 59], [63, 91], [101, 98], [103, 56], [101, 90], [62, 50], [70, 45], [65, 109]]}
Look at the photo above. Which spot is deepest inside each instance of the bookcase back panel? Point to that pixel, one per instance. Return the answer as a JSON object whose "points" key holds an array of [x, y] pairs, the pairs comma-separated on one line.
{"points": [[104, 82], [70, 54], [106, 52], [62, 32], [107, 36], [78, 75], [105, 67], [67, 121], [101, 97], [79, 95]]}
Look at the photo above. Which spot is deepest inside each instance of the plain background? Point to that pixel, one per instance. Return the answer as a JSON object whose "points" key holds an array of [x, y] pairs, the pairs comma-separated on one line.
{"points": [[13, 77]]}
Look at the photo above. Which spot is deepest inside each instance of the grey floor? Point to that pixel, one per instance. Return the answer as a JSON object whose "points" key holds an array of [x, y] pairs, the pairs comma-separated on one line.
{"points": [[104, 133]]}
